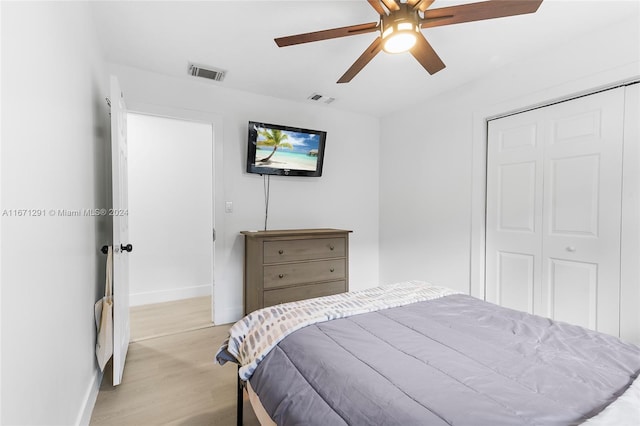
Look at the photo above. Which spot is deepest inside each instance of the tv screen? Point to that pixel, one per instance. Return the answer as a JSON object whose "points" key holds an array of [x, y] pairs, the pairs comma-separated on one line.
{"points": [[282, 150]]}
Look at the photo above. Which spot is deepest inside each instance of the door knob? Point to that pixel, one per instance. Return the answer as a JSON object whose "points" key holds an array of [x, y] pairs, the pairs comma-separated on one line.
{"points": [[128, 247]]}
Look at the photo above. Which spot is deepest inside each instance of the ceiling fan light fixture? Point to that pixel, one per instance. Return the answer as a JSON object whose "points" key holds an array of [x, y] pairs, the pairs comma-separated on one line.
{"points": [[399, 42], [404, 19], [400, 30]]}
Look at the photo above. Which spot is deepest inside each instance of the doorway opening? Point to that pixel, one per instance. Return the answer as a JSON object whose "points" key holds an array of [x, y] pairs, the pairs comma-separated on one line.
{"points": [[171, 221]]}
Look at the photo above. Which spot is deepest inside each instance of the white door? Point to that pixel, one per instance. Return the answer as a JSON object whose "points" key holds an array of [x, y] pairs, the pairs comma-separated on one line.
{"points": [[554, 179], [121, 244], [514, 212], [630, 244]]}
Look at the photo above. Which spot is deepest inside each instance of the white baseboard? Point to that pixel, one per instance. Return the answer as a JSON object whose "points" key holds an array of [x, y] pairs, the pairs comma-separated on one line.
{"points": [[84, 416], [137, 299]]}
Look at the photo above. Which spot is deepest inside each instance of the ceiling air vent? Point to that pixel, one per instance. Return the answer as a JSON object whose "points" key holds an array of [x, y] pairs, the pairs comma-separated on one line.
{"points": [[321, 98], [211, 73]]}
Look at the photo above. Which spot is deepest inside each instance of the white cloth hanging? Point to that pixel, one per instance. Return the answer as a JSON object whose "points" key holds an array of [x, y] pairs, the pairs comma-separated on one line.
{"points": [[104, 317]]}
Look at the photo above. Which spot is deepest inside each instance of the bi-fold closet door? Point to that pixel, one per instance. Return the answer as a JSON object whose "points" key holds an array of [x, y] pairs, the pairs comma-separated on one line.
{"points": [[554, 197]]}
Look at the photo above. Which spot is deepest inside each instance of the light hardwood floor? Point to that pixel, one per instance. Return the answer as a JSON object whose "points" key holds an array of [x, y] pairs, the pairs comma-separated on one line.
{"points": [[172, 380], [161, 319]]}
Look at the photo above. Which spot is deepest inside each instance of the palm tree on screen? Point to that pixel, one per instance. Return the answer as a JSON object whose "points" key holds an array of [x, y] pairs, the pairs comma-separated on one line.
{"points": [[274, 138]]}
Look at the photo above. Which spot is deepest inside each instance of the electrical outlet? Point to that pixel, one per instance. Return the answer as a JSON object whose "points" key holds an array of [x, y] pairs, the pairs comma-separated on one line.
{"points": [[228, 207]]}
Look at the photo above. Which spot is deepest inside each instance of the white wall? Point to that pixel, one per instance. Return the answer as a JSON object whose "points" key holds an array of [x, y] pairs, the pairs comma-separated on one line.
{"points": [[431, 199], [54, 127], [346, 196], [171, 208]]}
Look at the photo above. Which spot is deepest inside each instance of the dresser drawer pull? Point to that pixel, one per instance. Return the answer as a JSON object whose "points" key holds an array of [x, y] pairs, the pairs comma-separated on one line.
{"points": [[281, 276], [280, 251], [331, 270], [331, 247]]}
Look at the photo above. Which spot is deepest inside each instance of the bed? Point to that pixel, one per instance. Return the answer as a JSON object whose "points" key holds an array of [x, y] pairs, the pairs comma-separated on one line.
{"points": [[416, 354]]}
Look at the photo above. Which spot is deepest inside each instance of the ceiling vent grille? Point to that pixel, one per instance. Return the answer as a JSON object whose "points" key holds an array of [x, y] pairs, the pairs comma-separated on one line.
{"points": [[211, 73], [316, 97]]}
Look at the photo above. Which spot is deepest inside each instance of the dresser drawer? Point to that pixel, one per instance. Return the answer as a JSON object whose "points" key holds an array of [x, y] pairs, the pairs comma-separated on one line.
{"points": [[292, 264], [288, 274], [275, 297], [294, 250]]}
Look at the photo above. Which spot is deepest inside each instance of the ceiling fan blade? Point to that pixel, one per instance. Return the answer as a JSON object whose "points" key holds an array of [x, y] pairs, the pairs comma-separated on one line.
{"points": [[373, 49], [391, 5], [478, 12], [427, 57], [326, 34], [377, 6], [421, 5]]}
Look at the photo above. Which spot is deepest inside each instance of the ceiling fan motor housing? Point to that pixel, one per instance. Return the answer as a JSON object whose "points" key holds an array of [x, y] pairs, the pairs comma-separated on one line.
{"points": [[402, 22]]}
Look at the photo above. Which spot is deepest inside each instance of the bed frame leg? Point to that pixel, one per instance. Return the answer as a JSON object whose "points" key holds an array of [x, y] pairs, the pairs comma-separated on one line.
{"points": [[240, 399]]}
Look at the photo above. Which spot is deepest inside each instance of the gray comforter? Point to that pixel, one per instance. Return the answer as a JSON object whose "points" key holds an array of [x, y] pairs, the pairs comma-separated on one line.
{"points": [[450, 361]]}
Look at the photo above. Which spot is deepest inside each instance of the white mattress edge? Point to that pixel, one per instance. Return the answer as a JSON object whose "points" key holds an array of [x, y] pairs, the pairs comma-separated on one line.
{"points": [[623, 411]]}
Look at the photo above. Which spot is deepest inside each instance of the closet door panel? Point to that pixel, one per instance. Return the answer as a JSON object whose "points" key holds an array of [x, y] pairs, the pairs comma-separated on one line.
{"points": [[582, 210], [516, 196], [573, 292], [574, 183], [554, 210], [630, 244], [515, 280], [514, 213]]}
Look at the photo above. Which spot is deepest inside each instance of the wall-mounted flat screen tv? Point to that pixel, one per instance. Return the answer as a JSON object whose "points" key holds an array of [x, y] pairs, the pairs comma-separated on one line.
{"points": [[274, 149]]}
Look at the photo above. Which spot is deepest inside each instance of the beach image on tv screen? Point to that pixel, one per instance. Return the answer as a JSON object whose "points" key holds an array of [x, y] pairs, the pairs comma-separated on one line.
{"points": [[286, 149]]}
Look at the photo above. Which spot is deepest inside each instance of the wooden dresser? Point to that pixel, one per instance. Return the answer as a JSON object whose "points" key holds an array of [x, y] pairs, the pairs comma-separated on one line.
{"points": [[283, 266]]}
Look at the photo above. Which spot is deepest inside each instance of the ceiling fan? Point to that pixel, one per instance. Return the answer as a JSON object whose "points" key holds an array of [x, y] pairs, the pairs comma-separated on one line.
{"points": [[400, 24]]}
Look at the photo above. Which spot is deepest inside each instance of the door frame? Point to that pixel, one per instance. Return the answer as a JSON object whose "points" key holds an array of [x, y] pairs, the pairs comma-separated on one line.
{"points": [[216, 177]]}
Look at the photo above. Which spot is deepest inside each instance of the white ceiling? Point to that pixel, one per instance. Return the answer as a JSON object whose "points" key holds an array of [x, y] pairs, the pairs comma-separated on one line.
{"points": [[237, 36]]}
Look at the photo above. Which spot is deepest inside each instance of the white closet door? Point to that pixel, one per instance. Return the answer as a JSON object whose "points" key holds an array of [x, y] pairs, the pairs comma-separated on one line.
{"points": [[514, 212], [567, 209], [583, 198], [630, 244]]}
